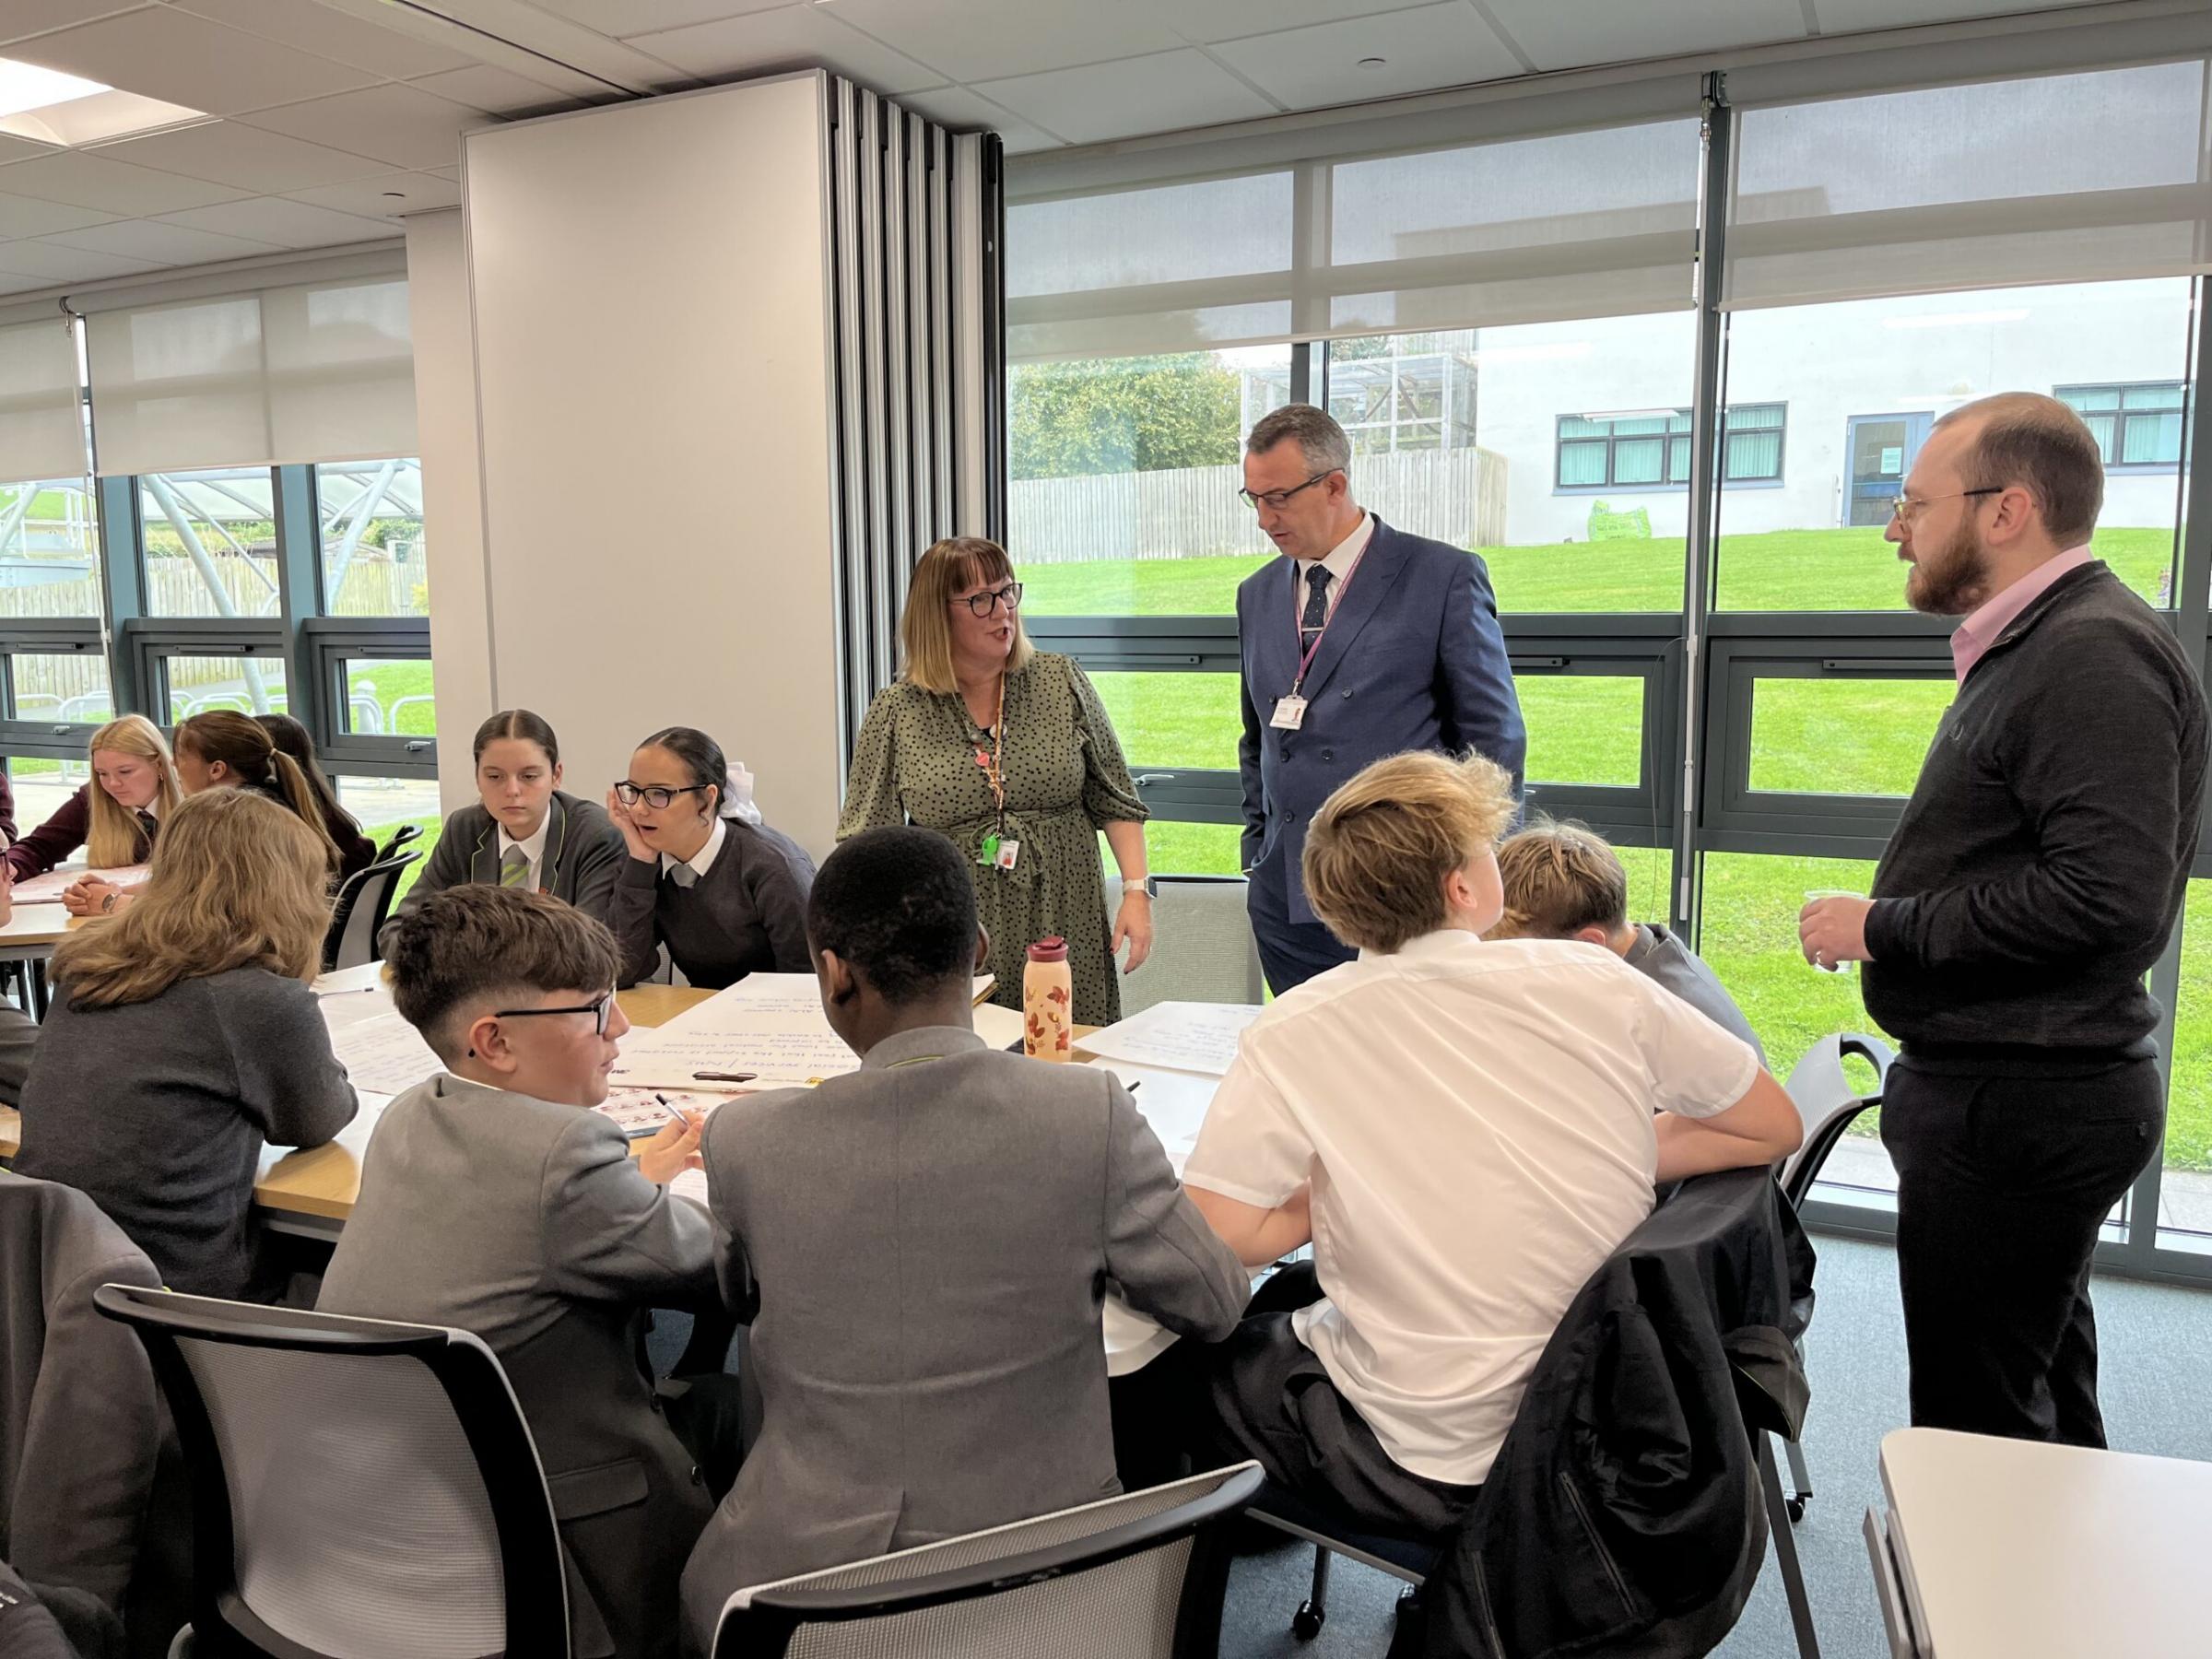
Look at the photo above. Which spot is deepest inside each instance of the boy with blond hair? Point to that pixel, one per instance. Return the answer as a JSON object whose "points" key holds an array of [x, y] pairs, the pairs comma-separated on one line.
{"points": [[1564, 881], [1463, 1130]]}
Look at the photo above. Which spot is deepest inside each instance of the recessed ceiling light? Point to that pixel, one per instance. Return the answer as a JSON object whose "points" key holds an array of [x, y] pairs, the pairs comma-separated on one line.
{"points": [[1372, 63], [29, 87], [48, 107]]}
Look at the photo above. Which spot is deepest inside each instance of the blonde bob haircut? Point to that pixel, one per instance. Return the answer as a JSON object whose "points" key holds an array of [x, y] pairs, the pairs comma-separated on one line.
{"points": [[113, 838], [1380, 848], [925, 630], [236, 882]]}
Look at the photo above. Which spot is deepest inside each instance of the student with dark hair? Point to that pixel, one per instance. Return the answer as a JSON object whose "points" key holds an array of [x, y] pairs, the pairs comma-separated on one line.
{"points": [[898, 1408], [524, 831], [493, 1198], [356, 850], [705, 876]]}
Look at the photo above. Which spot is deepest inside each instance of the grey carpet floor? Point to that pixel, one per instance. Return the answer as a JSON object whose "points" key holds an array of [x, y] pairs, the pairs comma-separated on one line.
{"points": [[2155, 1341]]}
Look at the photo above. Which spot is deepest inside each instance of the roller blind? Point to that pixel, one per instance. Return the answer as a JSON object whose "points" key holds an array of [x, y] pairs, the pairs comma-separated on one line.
{"points": [[313, 372], [1597, 222], [2080, 177], [41, 420]]}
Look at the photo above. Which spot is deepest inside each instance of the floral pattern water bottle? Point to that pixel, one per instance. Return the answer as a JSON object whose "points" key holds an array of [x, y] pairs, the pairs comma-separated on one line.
{"points": [[1047, 998]]}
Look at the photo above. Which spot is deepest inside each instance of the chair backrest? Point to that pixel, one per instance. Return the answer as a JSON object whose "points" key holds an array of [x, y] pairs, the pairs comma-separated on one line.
{"points": [[360, 911], [360, 1489], [406, 833], [1140, 1576], [1203, 949], [1828, 1101]]}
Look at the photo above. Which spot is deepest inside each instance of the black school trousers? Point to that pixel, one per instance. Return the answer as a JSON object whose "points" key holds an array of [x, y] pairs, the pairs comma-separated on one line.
{"points": [[2007, 1162]]}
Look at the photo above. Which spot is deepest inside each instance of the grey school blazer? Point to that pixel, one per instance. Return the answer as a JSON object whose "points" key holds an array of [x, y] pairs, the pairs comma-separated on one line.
{"points": [[583, 855], [530, 1225], [922, 1246]]}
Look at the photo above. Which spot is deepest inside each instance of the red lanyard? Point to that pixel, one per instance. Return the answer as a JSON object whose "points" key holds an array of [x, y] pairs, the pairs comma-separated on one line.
{"points": [[1298, 631]]}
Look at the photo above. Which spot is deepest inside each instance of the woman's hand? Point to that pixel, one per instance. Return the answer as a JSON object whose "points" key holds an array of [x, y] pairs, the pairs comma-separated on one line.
{"points": [[90, 896], [1133, 924], [7, 892], [632, 839], [675, 1148]]}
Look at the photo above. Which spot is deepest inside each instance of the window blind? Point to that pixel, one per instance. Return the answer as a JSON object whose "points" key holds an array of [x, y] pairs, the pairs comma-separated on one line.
{"points": [[1595, 222], [313, 372], [41, 416], [2081, 177]]}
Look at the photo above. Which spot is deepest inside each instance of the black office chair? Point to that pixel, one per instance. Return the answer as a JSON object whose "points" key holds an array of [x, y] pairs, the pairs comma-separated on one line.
{"points": [[1140, 1576], [359, 911], [357, 1485], [401, 838]]}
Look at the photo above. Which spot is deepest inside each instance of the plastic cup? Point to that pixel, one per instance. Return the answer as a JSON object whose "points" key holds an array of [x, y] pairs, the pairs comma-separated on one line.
{"points": [[1831, 893]]}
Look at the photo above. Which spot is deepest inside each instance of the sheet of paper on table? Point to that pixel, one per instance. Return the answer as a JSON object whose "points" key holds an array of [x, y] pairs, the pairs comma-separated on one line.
{"points": [[381, 1052], [638, 1112], [48, 888], [692, 1185], [1181, 1036]]}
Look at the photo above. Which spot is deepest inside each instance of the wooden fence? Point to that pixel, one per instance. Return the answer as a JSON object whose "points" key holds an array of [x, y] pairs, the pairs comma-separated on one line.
{"points": [[1456, 496]]}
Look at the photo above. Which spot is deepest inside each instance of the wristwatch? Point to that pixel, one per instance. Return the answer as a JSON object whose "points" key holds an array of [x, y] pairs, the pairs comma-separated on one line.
{"points": [[107, 905], [1150, 885]]}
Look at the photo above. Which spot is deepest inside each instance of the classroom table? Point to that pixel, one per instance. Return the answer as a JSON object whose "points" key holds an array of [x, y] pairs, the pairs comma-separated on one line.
{"points": [[2012, 1549], [311, 1193]]}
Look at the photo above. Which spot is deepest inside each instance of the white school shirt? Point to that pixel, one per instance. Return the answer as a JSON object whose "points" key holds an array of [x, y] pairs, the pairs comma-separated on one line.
{"points": [[1338, 561], [703, 860], [533, 849], [1475, 1119]]}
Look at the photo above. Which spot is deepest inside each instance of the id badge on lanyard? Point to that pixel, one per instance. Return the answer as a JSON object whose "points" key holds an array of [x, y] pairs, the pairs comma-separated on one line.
{"points": [[1290, 710]]}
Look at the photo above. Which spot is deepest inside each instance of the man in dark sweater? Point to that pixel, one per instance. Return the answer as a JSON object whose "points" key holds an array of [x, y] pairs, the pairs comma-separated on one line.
{"points": [[2033, 879]]}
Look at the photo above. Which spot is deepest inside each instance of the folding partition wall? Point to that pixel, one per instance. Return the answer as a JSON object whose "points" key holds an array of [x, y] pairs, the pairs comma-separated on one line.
{"points": [[731, 373]]}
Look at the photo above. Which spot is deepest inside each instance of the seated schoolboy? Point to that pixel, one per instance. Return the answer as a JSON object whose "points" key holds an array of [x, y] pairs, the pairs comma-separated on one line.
{"points": [[1563, 881], [928, 1240], [1463, 1131], [494, 1200]]}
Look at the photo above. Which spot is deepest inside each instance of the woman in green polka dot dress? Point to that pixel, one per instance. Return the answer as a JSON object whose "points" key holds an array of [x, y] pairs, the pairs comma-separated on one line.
{"points": [[1007, 751]]}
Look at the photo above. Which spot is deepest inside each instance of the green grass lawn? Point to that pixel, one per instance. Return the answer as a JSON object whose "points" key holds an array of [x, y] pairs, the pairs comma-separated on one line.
{"points": [[1823, 735]]}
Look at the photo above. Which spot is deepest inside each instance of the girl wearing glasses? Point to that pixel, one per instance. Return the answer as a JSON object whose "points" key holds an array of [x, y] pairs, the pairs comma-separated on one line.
{"points": [[193, 1011], [524, 831], [705, 876], [1008, 752]]}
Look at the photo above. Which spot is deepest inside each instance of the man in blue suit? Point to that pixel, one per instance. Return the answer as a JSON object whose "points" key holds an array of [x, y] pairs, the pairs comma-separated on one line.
{"points": [[1365, 642]]}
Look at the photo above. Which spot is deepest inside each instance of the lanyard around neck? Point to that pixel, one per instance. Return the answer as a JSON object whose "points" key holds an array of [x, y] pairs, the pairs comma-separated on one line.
{"points": [[1296, 628], [993, 760]]}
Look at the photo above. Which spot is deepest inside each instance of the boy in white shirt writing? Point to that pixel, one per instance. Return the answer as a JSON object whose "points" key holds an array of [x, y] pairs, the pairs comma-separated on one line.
{"points": [[1465, 1131]]}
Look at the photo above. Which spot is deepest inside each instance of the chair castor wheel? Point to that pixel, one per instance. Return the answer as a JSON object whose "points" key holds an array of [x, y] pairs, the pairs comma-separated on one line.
{"points": [[1795, 1506], [1305, 1624]]}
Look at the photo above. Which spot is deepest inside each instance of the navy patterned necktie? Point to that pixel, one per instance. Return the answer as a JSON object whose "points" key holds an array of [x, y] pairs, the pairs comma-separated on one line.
{"points": [[1317, 602]]}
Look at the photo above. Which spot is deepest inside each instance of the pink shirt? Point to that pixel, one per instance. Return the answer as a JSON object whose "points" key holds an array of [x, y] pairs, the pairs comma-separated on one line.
{"points": [[1974, 637]]}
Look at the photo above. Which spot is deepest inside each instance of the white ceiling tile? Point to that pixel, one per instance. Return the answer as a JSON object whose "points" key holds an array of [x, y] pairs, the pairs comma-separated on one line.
{"points": [[616, 18], [21, 149], [226, 152], [85, 180], [396, 124], [12, 284], [27, 215], [966, 112], [385, 194], [790, 37], [189, 61], [496, 91], [160, 243], [1431, 46], [21, 17], [67, 264], [286, 224], [1562, 34], [1209, 20], [971, 42], [1155, 94], [1841, 16], [327, 33]]}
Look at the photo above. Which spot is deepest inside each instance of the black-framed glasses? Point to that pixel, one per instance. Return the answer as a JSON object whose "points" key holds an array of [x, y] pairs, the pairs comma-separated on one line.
{"points": [[598, 1009], [1903, 507], [990, 599], [653, 794], [1280, 498]]}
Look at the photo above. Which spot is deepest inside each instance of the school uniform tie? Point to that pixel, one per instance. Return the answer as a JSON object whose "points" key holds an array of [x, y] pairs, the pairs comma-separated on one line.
{"points": [[515, 868], [1317, 602], [683, 874]]}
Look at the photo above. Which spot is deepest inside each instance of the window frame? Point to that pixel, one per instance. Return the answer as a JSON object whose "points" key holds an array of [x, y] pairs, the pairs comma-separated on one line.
{"points": [[1676, 438], [2121, 414]]}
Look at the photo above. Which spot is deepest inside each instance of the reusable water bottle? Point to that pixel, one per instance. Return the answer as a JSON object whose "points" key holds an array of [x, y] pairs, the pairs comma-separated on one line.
{"points": [[1047, 1001]]}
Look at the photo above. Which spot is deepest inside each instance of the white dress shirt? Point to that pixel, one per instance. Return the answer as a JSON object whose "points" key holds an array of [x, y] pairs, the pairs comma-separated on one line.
{"points": [[1338, 562], [1475, 1121], [533, 849], [703, 860]]}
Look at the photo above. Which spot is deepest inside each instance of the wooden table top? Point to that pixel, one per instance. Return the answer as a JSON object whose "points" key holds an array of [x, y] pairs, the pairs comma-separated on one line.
{"points": [[40, 924], [324, 1181]]}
